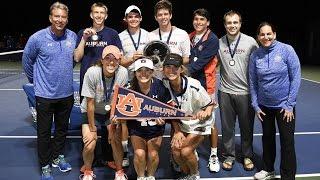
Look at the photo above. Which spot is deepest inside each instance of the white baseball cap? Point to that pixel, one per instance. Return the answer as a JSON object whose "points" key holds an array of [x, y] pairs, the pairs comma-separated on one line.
{"points": [[131, 8], [143, 62]]}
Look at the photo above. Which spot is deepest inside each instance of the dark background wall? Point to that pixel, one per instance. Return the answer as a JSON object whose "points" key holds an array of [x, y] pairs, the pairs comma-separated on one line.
{"points": [[297, 22]]}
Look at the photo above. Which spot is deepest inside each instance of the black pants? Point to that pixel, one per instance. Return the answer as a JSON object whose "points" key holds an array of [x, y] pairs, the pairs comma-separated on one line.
{"points": [[49, 149], [233, 107], [288, 164]]}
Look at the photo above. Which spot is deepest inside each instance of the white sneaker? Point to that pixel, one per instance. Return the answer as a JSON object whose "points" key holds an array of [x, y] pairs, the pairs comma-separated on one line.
{"points": [[190, 177], [214, 165], [120, 175], [196, 153], [88, 175], [125, 162], [264, 175], [150, 178], [197, 177]]}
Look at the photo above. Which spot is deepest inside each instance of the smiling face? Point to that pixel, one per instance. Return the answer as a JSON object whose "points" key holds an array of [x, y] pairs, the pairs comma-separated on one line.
{"points": [[266, 35], [144, 75], [172, 72], [232, 24], [163, 17], [110, 64], [200, 24], [98, 15], [133, 19], [59, 19]]}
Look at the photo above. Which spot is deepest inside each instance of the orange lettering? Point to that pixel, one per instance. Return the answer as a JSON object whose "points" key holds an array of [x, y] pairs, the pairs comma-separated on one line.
{"points": [[129, 100]]}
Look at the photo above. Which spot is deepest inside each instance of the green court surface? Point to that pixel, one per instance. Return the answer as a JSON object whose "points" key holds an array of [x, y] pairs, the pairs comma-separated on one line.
{"points": [[308, 178], [311, 73]]}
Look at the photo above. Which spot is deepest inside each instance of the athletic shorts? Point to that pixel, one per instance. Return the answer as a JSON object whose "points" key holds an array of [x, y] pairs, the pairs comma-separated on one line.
{"points": [[100, 119]]}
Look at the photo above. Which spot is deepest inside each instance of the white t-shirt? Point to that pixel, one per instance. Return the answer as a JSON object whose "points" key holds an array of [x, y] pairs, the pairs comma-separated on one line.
{"points": [[179, 41], [234, 77], [191, 101], [129, 47], [93, 87]]}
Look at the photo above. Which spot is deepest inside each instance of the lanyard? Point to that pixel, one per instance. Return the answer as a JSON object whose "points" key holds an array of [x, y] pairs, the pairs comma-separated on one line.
{"points": [[200, 40], [235, 47], [168, 36], [136, 45], [184, 84], [107, 90]]}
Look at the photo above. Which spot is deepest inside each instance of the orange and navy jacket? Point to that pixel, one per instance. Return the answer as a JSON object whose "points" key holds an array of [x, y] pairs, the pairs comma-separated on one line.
{"points": [[203, 60]]}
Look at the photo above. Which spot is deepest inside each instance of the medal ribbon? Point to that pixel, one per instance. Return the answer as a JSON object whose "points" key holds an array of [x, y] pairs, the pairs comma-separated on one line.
{"points": [[235, 47], [136, 45], [168, 36]]}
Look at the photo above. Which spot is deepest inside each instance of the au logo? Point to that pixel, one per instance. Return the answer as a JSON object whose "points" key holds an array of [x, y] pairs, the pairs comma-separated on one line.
{"points": [[129, 105]]}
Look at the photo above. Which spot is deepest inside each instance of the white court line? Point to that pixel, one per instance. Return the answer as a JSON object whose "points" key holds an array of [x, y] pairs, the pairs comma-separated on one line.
{"points": [[311, 80], [166, 136], [278, 176], [11, 89], [11, 52], [22, 89]]}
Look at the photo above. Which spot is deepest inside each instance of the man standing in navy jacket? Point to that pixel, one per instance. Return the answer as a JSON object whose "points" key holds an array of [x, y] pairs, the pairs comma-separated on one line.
{"points": [[202, 66]]}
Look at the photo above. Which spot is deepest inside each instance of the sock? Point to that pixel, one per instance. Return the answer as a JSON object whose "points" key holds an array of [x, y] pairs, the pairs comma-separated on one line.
{"points": [[214, 151], [197, 174], [150, 177], [125, 145]]}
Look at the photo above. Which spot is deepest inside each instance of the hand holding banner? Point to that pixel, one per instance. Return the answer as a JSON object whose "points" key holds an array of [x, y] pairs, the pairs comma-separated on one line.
{"points": [[129, 104]]}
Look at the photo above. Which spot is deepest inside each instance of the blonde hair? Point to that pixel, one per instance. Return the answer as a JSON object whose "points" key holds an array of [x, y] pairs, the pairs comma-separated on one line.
{"points": [[99, 4], [184, 71], [59, 5]]}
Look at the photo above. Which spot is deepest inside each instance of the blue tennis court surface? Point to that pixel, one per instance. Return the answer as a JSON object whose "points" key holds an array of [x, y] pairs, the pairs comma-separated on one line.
{"points": [[18, 147]]}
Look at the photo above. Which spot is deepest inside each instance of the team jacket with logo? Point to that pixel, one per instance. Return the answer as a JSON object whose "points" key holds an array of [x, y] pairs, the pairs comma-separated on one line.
{"points": [[203, 60], [274, 76]]}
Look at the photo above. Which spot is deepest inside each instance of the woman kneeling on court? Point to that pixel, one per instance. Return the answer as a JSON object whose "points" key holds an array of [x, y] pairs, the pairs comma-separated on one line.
{"points": [[146, 134], [192, 98], [97, 88]]}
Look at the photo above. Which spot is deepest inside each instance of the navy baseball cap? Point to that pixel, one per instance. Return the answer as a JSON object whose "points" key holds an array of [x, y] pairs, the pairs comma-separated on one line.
{"points": [[173, 59]]}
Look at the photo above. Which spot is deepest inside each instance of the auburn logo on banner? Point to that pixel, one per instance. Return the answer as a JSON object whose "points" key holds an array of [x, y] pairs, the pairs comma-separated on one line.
{"points": [[129, 104]]}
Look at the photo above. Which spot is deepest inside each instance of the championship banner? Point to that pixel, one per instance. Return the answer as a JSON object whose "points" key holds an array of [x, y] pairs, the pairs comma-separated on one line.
{"points": [[129, 104]]}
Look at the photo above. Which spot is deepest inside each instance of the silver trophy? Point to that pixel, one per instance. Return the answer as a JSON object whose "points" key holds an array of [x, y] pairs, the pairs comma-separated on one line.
{"points": [[157, 50]]}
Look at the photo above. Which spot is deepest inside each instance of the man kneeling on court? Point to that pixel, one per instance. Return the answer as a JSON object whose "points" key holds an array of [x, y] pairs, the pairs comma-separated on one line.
{"points": [[97, 88]]}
